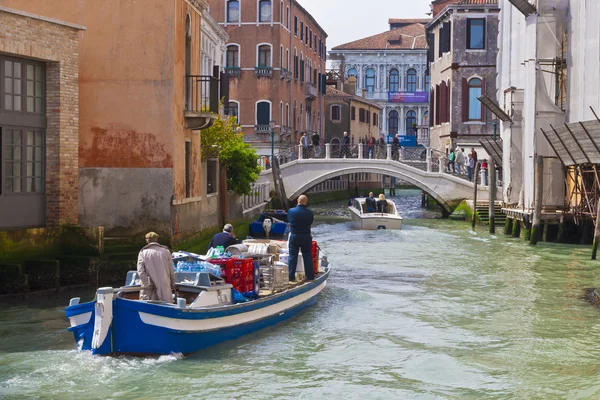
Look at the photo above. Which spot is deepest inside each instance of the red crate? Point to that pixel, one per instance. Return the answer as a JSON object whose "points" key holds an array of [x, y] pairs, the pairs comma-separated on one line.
{"points": [[239, 272]]}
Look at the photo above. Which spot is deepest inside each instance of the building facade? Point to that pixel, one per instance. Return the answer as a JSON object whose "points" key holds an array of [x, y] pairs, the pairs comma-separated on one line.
{"points": [[462, 61], [214, 43], [143, 99], [391, 70], [275, 61], [39, 120]]}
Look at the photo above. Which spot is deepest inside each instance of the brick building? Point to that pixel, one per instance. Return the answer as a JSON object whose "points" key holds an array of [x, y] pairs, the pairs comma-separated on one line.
{"points": [[463, 47], [39, 118], [275, 60], [143, 100]]}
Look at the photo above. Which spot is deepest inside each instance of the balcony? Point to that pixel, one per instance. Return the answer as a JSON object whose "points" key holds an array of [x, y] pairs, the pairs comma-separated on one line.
{"points": [[201, 101], [262, 129], [285, 74], [263, 72], [233, 71], [311, 91]]}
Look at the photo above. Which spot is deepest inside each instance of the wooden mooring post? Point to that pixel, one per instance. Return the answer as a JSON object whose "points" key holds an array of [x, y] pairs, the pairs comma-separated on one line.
{"points": [[492, 196], [475, 196], [596, 235], [537, 211]]}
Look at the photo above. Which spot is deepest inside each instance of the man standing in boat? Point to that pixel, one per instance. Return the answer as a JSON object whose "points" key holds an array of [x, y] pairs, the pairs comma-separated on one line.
{"points": [[157, 274], [301, 219]]}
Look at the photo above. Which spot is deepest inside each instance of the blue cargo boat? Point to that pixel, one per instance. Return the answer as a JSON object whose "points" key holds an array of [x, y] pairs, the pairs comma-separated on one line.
{"points": [[278, 225]]}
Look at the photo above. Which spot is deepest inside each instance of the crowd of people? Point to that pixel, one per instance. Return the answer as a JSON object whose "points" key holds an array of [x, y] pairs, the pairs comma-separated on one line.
{"points": [[461, 163]]}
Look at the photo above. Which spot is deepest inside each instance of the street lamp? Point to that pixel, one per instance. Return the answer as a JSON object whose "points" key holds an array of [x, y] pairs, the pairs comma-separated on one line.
{"points": [[272, 126]]}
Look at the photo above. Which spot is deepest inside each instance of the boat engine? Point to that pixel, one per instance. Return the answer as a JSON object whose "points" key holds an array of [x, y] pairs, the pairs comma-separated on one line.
{"points": [[267, 223]]}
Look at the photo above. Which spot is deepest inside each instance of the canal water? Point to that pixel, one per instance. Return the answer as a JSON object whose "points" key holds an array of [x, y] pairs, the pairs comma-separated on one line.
{"points": [[435, 311]]}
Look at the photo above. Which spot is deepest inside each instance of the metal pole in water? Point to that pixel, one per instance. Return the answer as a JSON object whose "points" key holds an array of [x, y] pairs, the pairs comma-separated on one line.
{"points": [[492, 196], [537, 211], [475, 195], [596, 234]]}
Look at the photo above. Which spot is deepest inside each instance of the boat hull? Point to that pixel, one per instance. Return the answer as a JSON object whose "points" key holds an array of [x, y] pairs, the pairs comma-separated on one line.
{"points": [[142, 328], [376, 221]]}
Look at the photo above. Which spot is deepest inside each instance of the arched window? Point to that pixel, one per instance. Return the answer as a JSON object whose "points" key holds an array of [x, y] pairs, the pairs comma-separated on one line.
{"points": [[411, 80], [352, 72], [287, 115], [393, 122], [475, 110], [411, 121], [281, 114], [336, 113], [264, 55], [370, 80], [263, 113], [233, 56], [265, 9], [233, 11], [394, 80], [233, 110]]}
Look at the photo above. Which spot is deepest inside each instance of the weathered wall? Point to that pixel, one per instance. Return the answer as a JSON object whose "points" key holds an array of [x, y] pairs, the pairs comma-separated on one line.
{"points": [[335, 129], [58, 45], [126, 200]]}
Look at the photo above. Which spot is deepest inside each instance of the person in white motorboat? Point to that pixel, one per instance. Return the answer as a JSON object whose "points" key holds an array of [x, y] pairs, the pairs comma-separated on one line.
{"points": [[371, 203], [382, 205], [155, 267]]}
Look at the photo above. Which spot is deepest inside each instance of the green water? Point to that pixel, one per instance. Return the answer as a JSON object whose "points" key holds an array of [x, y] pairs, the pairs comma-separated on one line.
{"points": [[434, 311]]}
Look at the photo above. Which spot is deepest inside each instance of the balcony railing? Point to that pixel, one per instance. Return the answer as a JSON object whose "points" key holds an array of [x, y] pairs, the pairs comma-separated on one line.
{"points": [[262, 128], [311, 91], [233, 71], [202, 94], [285, 74], [265, 72]]}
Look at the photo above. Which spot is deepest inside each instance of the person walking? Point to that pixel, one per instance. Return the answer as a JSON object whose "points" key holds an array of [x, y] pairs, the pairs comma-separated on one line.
{"points": [[395, 147], [474, 154], [470, 166], [156, 270], [300, 219], [316, 142], [345, 150], [460, 161], [451, 157], [484, 168], [304, 144], [370, 147]]}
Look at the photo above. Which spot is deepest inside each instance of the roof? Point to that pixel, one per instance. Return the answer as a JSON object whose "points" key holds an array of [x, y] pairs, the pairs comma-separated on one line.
{"points": [[450, 5], [408, 21], [575, 143], [333, 93], [477, 2], [409, 37]]}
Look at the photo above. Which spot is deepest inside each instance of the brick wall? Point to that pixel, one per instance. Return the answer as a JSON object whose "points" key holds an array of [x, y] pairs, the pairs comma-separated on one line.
{"points": [[29, 36]]}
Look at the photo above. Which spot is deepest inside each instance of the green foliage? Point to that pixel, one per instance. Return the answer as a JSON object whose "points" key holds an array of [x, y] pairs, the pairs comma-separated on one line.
{"points": [[223, 140]]}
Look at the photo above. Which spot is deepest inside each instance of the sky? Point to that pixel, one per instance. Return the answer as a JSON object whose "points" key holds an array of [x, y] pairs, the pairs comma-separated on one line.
{"points": [[349, 20]]}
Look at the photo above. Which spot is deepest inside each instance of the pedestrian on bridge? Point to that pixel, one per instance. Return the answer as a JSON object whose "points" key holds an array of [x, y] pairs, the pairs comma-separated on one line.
{"points": [[316, 142], [300, 219], [304, 143], [370, 147], [451, 157], [345, 150]]}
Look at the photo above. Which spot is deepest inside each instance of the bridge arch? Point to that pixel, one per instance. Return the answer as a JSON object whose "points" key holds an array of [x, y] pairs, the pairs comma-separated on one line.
{"points": [[313, 181]]}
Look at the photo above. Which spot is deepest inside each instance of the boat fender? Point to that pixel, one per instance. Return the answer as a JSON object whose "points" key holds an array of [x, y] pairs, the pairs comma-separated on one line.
{"points": [[103, 315]]}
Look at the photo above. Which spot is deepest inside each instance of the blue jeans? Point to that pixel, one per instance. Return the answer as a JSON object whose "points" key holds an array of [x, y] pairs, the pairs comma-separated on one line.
{"points": [[470, 173], [304, 243]]}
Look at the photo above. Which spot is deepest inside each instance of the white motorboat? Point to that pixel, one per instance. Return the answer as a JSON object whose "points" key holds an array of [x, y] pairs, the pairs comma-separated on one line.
{"points": [[362, 219]]}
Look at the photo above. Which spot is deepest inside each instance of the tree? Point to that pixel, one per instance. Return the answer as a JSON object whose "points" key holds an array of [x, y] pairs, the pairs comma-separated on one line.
{"points": [[224, 141]]}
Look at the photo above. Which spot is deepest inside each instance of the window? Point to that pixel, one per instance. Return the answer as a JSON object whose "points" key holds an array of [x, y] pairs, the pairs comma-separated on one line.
{"points": [[264, 55], [301, 30], [394, 80], [352, 72], [336, 113], [34, 83], [24, 164], [411, 81], [188, 169], [426, 86], [375, 119], [287, 59], [287, 17], [295, 64], [370, 80], [287, 115], [295, 25], [353, 113], [310, 39], [426, 118], [444, 38], [281, 57], [306, 35], [281, 113], [281, 14], [393, 122], [475, 33], [13, 85], [367, 117], [263, 113], [265, 9], [233, 110], [361, 114], [233, 56], [233, 11], [475, 106], [411, 121]]}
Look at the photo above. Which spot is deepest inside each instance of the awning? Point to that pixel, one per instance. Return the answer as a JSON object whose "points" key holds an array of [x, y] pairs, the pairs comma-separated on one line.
{"points": [[494, 149], [524, 6], [575, 143], [494, 108]]}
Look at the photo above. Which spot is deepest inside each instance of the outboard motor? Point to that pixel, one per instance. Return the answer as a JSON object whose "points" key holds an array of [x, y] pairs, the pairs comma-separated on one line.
{"points": [[267, 223]]}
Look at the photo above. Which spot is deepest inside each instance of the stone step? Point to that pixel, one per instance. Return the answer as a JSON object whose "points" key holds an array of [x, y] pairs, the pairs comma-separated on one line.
{"points": [[127, 248]]}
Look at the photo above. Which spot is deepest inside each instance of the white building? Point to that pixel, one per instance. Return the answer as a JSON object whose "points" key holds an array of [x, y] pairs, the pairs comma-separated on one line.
{"points": [[548, 75], [214, 39], [391, 69]]}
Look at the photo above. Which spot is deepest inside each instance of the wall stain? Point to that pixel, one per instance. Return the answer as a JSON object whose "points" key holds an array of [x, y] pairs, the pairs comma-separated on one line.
{"points": [[124, 148]]}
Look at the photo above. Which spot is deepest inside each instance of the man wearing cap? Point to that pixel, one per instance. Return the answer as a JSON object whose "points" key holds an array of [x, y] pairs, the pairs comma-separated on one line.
{"points": [[225, 238], [155, 267], [301, 219]]}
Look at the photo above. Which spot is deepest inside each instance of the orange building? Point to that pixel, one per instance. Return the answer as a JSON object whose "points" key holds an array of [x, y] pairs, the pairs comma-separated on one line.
{"points": [[276, 63], [142, 102]]}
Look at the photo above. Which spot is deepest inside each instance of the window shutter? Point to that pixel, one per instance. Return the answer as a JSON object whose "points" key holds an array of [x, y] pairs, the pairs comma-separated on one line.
{"points": [[465, 100], [482, 93], [437, 104], [443, 102], [431, 106], [431, 46]]}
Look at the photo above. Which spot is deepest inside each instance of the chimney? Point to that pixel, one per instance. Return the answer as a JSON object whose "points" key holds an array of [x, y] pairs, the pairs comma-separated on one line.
{"points": [[364, 93], [350, 86]]}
